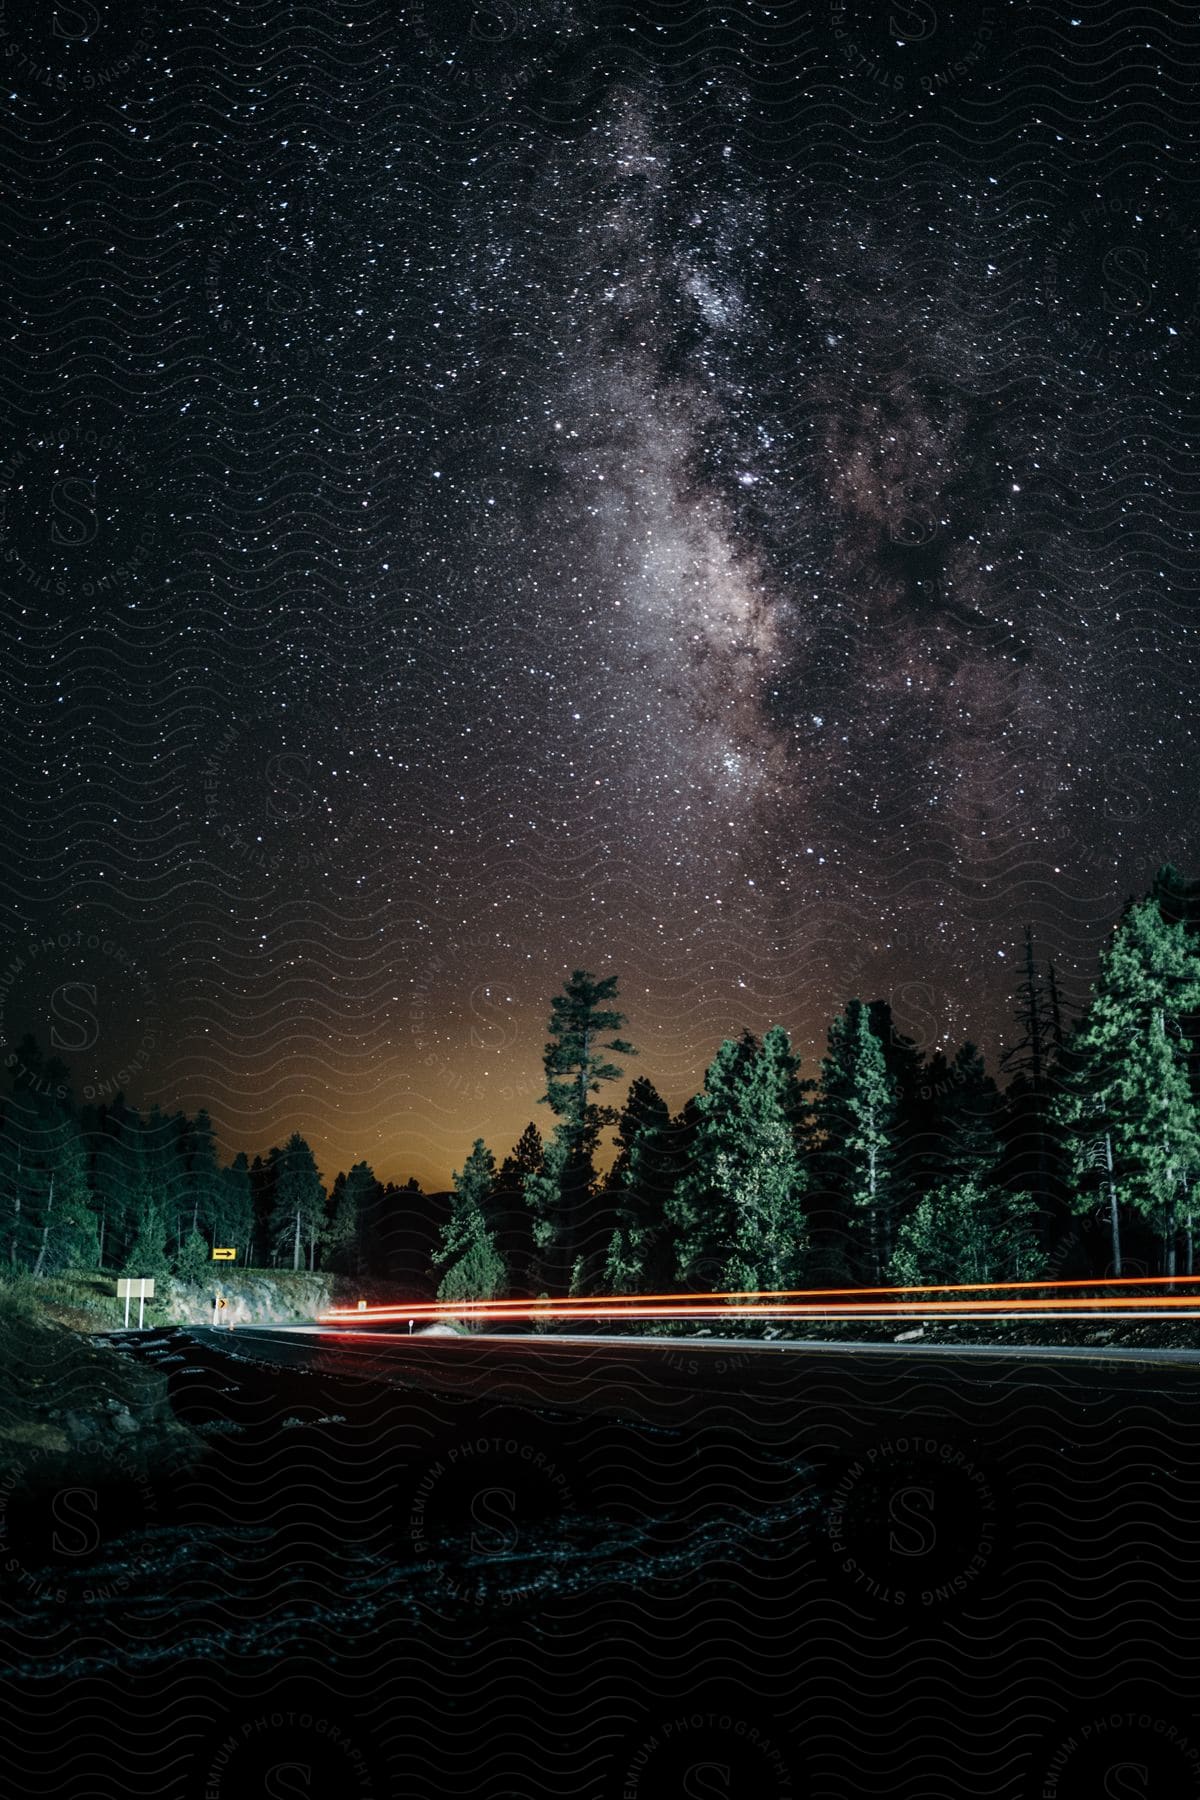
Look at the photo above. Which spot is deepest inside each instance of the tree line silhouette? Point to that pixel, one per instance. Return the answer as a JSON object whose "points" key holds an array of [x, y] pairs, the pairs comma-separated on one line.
{"points": [[891, 1166]]}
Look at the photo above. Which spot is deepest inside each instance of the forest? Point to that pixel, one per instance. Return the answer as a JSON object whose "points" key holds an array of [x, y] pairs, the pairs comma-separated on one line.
{"points": [[1079, 1158]]}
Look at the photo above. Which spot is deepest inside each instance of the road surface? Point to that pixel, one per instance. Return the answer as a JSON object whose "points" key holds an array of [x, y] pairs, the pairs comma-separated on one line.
{"points": [[718, 1348], [729, 1382]]}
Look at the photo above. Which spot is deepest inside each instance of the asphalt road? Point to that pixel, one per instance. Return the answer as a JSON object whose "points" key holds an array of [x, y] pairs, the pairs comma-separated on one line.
{"points": [[728, 1382], [716, 1348]]}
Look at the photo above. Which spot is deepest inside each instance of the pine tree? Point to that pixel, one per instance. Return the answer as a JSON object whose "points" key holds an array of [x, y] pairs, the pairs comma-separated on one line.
{"points": [[66, 1226], [576, 1058], [640, 1254], [1034, 1158], [856, 1120], [1126, 1100], [235, 1209], [739, 1209], [371, 1246], [116, 1194], [164, 1161], [18, 1175], [965, 1231], [406, 1229], [148, 1251], [969, 1146], [299, 1211], [627, 1232], [511, 1217], [906, 1067], [469, 1263], [1179, 904], [1055, 1012], [44, 1168], [333, 1257], [577, 1061], [194, 1260], [700, 1210], [90, 1121], [556, 1189], [1030, 1050], [264, 1182], [353, 1195], [682, 1138], [201, 1188], [1162, 1141], [11, 1194], [144, 1208], [770, 1176]]}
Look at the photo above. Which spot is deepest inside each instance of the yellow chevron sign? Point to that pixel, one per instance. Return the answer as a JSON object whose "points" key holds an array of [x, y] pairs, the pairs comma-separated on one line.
{"points": [[223, 1255]]}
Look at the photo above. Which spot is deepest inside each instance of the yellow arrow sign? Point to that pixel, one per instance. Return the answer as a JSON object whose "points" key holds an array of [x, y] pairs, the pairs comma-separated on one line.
{"points": [[223, 1255]]}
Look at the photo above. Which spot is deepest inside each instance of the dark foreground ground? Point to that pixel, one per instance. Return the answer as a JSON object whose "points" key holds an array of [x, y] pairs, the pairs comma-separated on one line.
{"points": [[414, 1567]]}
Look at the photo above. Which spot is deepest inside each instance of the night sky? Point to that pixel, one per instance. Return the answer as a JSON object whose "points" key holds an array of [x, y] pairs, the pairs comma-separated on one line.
{"points": [[706, 494]]}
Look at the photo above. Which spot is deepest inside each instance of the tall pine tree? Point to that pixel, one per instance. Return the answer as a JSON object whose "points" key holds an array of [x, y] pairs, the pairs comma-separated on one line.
{"points": [[299, 1210], [235, 1209], [147, 1253], [739, 1210], [164, 1161], [146, 1212], [584, 1036], [856, 1124], [969, 1146], [511, 1212], [1034, 1156], [640, 1254], [202, 1176], [65, 1225], [353, 1197], [700, 1211], [45, 1171], [468, 1263], [1126, 1099]]}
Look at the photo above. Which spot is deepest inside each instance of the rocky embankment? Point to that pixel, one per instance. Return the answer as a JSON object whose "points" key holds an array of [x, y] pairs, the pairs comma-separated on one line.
{"points": [[257, 1297], [67, 1397]]}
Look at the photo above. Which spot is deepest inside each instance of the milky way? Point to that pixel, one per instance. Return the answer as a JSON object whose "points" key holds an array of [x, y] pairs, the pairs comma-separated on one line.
{"points": [[508, 492]]}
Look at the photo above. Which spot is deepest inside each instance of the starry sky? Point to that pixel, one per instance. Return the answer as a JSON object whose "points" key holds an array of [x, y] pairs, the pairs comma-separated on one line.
{"points": [[705, 494]]}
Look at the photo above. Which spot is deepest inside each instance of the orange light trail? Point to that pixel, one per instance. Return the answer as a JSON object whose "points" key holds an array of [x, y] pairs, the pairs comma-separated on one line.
{"points": [[746, 1303], [815, 1304], [343, 1324]]}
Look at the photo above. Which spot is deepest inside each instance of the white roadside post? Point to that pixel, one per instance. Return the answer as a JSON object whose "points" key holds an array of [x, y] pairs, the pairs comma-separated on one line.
{"points": [[139, 1286]]}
